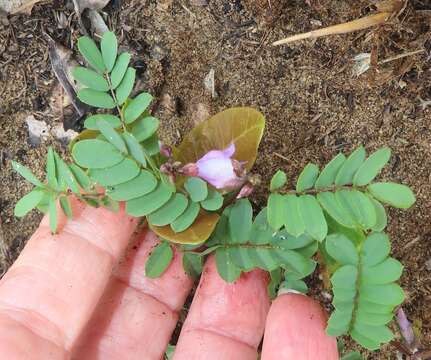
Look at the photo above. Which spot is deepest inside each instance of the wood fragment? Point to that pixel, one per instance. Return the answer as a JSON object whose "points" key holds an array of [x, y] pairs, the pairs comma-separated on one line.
{"points": [[355, 25]]}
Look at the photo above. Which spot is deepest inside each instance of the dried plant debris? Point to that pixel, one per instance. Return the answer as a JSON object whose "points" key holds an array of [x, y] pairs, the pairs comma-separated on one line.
{"points": [[387, 9], [18, 6], [62, 65]]}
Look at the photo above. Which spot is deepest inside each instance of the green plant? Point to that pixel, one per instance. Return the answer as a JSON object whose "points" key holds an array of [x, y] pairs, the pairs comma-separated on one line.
{"points": [[195, 198]]}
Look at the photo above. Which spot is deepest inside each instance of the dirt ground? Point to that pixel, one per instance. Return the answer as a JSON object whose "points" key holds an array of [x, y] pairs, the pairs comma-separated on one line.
{"points": [[313, 103]]}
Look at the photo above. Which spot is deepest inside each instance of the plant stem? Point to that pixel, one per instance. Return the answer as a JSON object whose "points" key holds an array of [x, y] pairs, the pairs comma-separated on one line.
{"points": [[123, 122], [329, 188]]}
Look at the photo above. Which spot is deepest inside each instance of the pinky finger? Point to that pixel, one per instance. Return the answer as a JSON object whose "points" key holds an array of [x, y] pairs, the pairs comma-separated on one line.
{"points": [[295, 329]]}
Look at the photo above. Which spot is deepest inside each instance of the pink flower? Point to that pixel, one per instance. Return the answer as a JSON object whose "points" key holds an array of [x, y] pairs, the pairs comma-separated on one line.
{"points": [[218, 169]]}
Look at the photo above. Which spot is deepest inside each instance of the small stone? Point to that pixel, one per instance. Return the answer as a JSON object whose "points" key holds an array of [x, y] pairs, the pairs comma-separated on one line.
{"points": [[200, 112], [428, 264], [37, 130], [209, 83]]}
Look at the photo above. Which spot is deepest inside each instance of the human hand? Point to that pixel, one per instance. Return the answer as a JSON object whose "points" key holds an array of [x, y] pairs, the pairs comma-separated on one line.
{"points": [[82, 294]]}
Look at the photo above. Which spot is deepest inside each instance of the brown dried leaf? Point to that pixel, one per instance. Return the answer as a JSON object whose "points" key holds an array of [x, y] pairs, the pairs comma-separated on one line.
{"points": [[199, 232]]}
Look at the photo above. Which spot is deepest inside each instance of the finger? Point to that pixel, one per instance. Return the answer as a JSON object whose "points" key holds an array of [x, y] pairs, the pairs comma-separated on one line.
{"points": [[53, 287], [136, 315], [225, 321], [295, 329]]}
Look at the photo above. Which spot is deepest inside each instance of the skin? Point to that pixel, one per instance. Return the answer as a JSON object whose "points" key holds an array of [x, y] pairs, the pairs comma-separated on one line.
{"points": [[82, 294]]}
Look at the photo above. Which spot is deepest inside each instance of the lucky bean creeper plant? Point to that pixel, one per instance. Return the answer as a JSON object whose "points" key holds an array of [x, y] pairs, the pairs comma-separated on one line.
{"points": [[195, 198]]}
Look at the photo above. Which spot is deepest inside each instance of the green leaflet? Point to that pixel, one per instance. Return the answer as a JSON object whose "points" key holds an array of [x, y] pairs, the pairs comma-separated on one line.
{"points": [[364, 290], [120, 173], [119, 69], [358, 206], [278, 180], [88, 48], [145, 127], [293, 221], [329, 172], [109, 46], [90, 79], [135, 148], [276, 210], [146, 204], [240, 220], [125, 88], [53, 215], [350, 166], [28, 202], [81, 177], [354, 355], [137, 106], [187, 218], [140, 185], [225, 266], [213, 202], [96, 98], [95, 154], [112, 135], [315, 225], [342, 249], [197, 188], [91, 121], [26, 174], [396, 195], [151, 145], [51, 171], [66, 207], [193, 264], [65, 175], [372, 167], [381, 218], [307, 178], [170, 211], [159, 260], [330, 204]]}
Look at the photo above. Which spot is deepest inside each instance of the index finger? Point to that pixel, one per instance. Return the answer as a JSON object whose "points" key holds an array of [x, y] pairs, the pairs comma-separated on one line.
{"points": [[56, 282]]}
